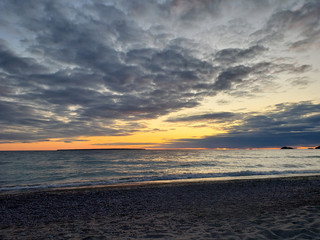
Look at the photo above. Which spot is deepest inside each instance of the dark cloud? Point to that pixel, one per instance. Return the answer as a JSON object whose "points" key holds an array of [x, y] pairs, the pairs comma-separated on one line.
{"points": [[79, 69], [71, 140], [251, 79], [251, 140], [124, 143], [285, 118], [14, 64], [230, 76], [288, 124], [102, 80], [218, 116]]}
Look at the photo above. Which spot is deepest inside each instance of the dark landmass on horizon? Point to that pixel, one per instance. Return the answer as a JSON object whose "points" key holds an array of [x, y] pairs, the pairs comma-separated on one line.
{"points": [[286, 147]]}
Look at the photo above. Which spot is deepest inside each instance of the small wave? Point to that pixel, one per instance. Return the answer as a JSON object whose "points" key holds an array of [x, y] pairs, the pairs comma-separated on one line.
{"points": [[157, 178]]}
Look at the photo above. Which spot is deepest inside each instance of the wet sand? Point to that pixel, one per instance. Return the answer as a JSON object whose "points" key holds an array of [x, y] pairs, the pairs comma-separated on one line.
{"points": [[281, 208]]}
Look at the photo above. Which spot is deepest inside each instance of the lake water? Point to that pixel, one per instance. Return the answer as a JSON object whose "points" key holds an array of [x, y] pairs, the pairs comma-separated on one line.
{"points": [[49, 169]]}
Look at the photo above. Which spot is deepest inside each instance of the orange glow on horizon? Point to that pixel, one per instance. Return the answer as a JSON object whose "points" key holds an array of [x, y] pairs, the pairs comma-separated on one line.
{"points": [[150, 138], [53, 146]]}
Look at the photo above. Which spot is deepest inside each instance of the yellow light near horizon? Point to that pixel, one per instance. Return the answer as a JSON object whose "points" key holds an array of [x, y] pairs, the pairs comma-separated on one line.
{"points": [[41, 146], [152, 137]]}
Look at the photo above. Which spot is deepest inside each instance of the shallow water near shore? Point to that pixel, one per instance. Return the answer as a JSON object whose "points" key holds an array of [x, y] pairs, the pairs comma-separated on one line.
{"points": [[55, 169]]}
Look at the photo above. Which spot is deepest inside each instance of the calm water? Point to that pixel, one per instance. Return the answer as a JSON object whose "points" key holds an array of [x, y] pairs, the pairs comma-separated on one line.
{"points": [[26, 170]]}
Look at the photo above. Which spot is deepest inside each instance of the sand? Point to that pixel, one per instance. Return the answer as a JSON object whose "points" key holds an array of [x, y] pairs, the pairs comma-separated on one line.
{"points": [[282, 208]]}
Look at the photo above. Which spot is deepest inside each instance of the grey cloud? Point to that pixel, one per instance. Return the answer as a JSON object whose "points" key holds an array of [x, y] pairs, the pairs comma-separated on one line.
{"points": [[155, 11], [71, 140], [291, 68], [304, 21], [192, 10], [244, 79], [232, 55], [123, 143], [306, 17], [172, 71], [218, 116], [267, 68], [230, 76], [299, 81], [55, 128], [288, 124], [15, 113], [251, 140], [285, 118], [14, 64], [83, 67], [311, 39], [268, 38]]}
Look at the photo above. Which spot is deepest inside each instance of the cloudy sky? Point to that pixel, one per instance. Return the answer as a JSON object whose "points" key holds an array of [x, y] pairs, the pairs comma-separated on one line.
{"points": [[165, 74]]}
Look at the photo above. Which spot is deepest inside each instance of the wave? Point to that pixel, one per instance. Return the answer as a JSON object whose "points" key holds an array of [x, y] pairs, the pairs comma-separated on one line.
{"points": [[172, 177]]}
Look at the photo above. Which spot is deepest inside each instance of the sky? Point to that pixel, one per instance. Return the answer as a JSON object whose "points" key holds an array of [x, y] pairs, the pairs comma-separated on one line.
{"points": [[159, 74]]}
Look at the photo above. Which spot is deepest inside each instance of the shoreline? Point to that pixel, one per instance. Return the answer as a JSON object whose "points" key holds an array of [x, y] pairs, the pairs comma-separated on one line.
{"points": [[32, 189], [279, 208]]}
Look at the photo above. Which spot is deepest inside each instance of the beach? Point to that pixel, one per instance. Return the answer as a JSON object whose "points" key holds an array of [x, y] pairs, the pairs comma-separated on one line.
{"points": [[271, 208]]}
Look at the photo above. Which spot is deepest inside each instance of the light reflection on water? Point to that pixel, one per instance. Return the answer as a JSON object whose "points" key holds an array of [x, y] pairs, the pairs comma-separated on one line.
{"points": [[61, 168]]}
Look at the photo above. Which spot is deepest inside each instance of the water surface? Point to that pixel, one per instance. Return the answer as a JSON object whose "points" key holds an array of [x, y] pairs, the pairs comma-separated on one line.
{"points": [[43, 169]]}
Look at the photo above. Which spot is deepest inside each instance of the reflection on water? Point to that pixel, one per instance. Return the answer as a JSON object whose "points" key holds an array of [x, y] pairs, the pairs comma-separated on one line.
{"points": [[62, 168]]}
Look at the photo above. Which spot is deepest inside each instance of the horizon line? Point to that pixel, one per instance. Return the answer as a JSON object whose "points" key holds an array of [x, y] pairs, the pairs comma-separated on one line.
{"points": [[108, 149]]}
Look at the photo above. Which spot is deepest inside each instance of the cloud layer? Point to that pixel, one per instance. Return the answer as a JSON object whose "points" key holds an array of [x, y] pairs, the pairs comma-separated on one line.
{"points": [[286, 124], [88, 68]]}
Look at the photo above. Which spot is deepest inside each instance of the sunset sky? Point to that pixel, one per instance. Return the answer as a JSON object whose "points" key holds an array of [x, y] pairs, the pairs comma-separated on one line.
{"points": [[159, 74]]}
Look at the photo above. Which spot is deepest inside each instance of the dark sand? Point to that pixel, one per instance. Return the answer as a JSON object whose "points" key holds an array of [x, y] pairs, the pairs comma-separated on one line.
{"points": [[282, 208]]}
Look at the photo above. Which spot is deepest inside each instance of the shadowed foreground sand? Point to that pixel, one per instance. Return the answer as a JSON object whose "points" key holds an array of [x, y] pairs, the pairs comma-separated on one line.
{"points": [[286, 208]]}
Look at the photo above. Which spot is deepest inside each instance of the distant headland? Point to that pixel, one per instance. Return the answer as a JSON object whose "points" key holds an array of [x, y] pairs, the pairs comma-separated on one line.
{"points": [[286, 147], [99, 149]]}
